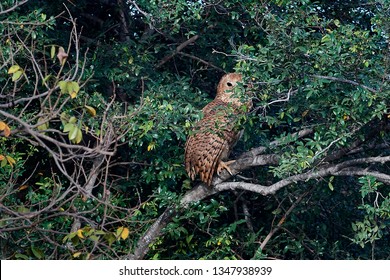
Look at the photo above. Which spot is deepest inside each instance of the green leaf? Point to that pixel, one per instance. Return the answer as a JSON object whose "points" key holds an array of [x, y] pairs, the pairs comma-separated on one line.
{"points": [[68, 127], [37, 252], [72, 119], [3, 162], [64, 118], [73, 132], [325, 38], [14, 68], [52, 51], [79, 136], [16, 76], [48, 77], [19, 256], [69, 87], [110, 237], [23, 210], [94, 238], [70, 236], [73, 89], [63, 86], [277, 211], [330, 185], [189, 238]]}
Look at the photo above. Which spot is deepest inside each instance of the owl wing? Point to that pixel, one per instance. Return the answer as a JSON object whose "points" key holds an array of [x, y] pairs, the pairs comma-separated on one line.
{"points": [[211, 142], [203, 151]]}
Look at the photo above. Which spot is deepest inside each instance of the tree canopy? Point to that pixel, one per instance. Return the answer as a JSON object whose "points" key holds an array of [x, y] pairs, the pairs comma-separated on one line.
{"points": [[97, 99]]}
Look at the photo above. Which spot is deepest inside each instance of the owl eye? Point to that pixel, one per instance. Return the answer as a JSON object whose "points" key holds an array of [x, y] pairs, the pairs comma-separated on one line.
{"points": [[229, 84]]}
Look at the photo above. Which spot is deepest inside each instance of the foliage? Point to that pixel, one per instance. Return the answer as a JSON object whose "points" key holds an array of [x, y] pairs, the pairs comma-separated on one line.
{"points": [[93, 126]]}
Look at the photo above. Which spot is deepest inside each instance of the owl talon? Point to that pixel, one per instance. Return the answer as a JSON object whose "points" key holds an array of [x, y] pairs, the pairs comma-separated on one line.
{"points": [[225, 165]]}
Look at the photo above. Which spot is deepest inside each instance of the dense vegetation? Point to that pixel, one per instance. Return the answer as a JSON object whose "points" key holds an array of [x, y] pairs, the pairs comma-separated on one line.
{"points": [[97, 98]]}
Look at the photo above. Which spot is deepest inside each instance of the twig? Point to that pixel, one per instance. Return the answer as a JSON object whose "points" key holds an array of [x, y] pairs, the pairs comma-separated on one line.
{"points": [[178, 49], [239, 56], [13, 7], [344, 81], [145, 14], [283, 219], [202, 61], [289, 93]]}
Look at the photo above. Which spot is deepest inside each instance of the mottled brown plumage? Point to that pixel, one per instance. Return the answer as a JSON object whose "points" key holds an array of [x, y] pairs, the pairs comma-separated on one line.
{"points": [[216, 133]]}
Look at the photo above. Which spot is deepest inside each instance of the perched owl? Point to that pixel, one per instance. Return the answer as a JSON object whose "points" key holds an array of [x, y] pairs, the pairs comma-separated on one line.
{"points": [[214, 136]]}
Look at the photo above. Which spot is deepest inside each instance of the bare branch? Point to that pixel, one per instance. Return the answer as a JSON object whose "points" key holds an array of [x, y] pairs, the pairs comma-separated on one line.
{"points": [[286, 99], [16, 5], [23, 99], [283, 219], [239, 56], [40, 136], [341, 169], [178, 49], [344, 81], [145, 14], [202, 61]]}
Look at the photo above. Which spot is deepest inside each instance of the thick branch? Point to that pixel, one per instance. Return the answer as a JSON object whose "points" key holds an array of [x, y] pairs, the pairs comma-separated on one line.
{"points": [[341, 169], [152, 233], [257, 157], [201, 191], [251, 158], [124, 25]]}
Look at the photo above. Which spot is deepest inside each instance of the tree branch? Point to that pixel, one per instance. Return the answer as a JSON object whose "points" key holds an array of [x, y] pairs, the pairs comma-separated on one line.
{"points": [[250, 159], [283, 219], [152, 233], [202, 61], [16, 5], [125, 34], [344, 81], [178, 49]]}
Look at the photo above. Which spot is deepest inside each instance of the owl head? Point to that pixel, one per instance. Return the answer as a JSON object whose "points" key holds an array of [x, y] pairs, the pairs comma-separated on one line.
{"points": [[226, 92]]}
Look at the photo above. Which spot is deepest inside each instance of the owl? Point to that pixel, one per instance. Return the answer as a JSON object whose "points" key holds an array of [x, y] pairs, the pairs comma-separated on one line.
{"points": [[213, 137]]}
